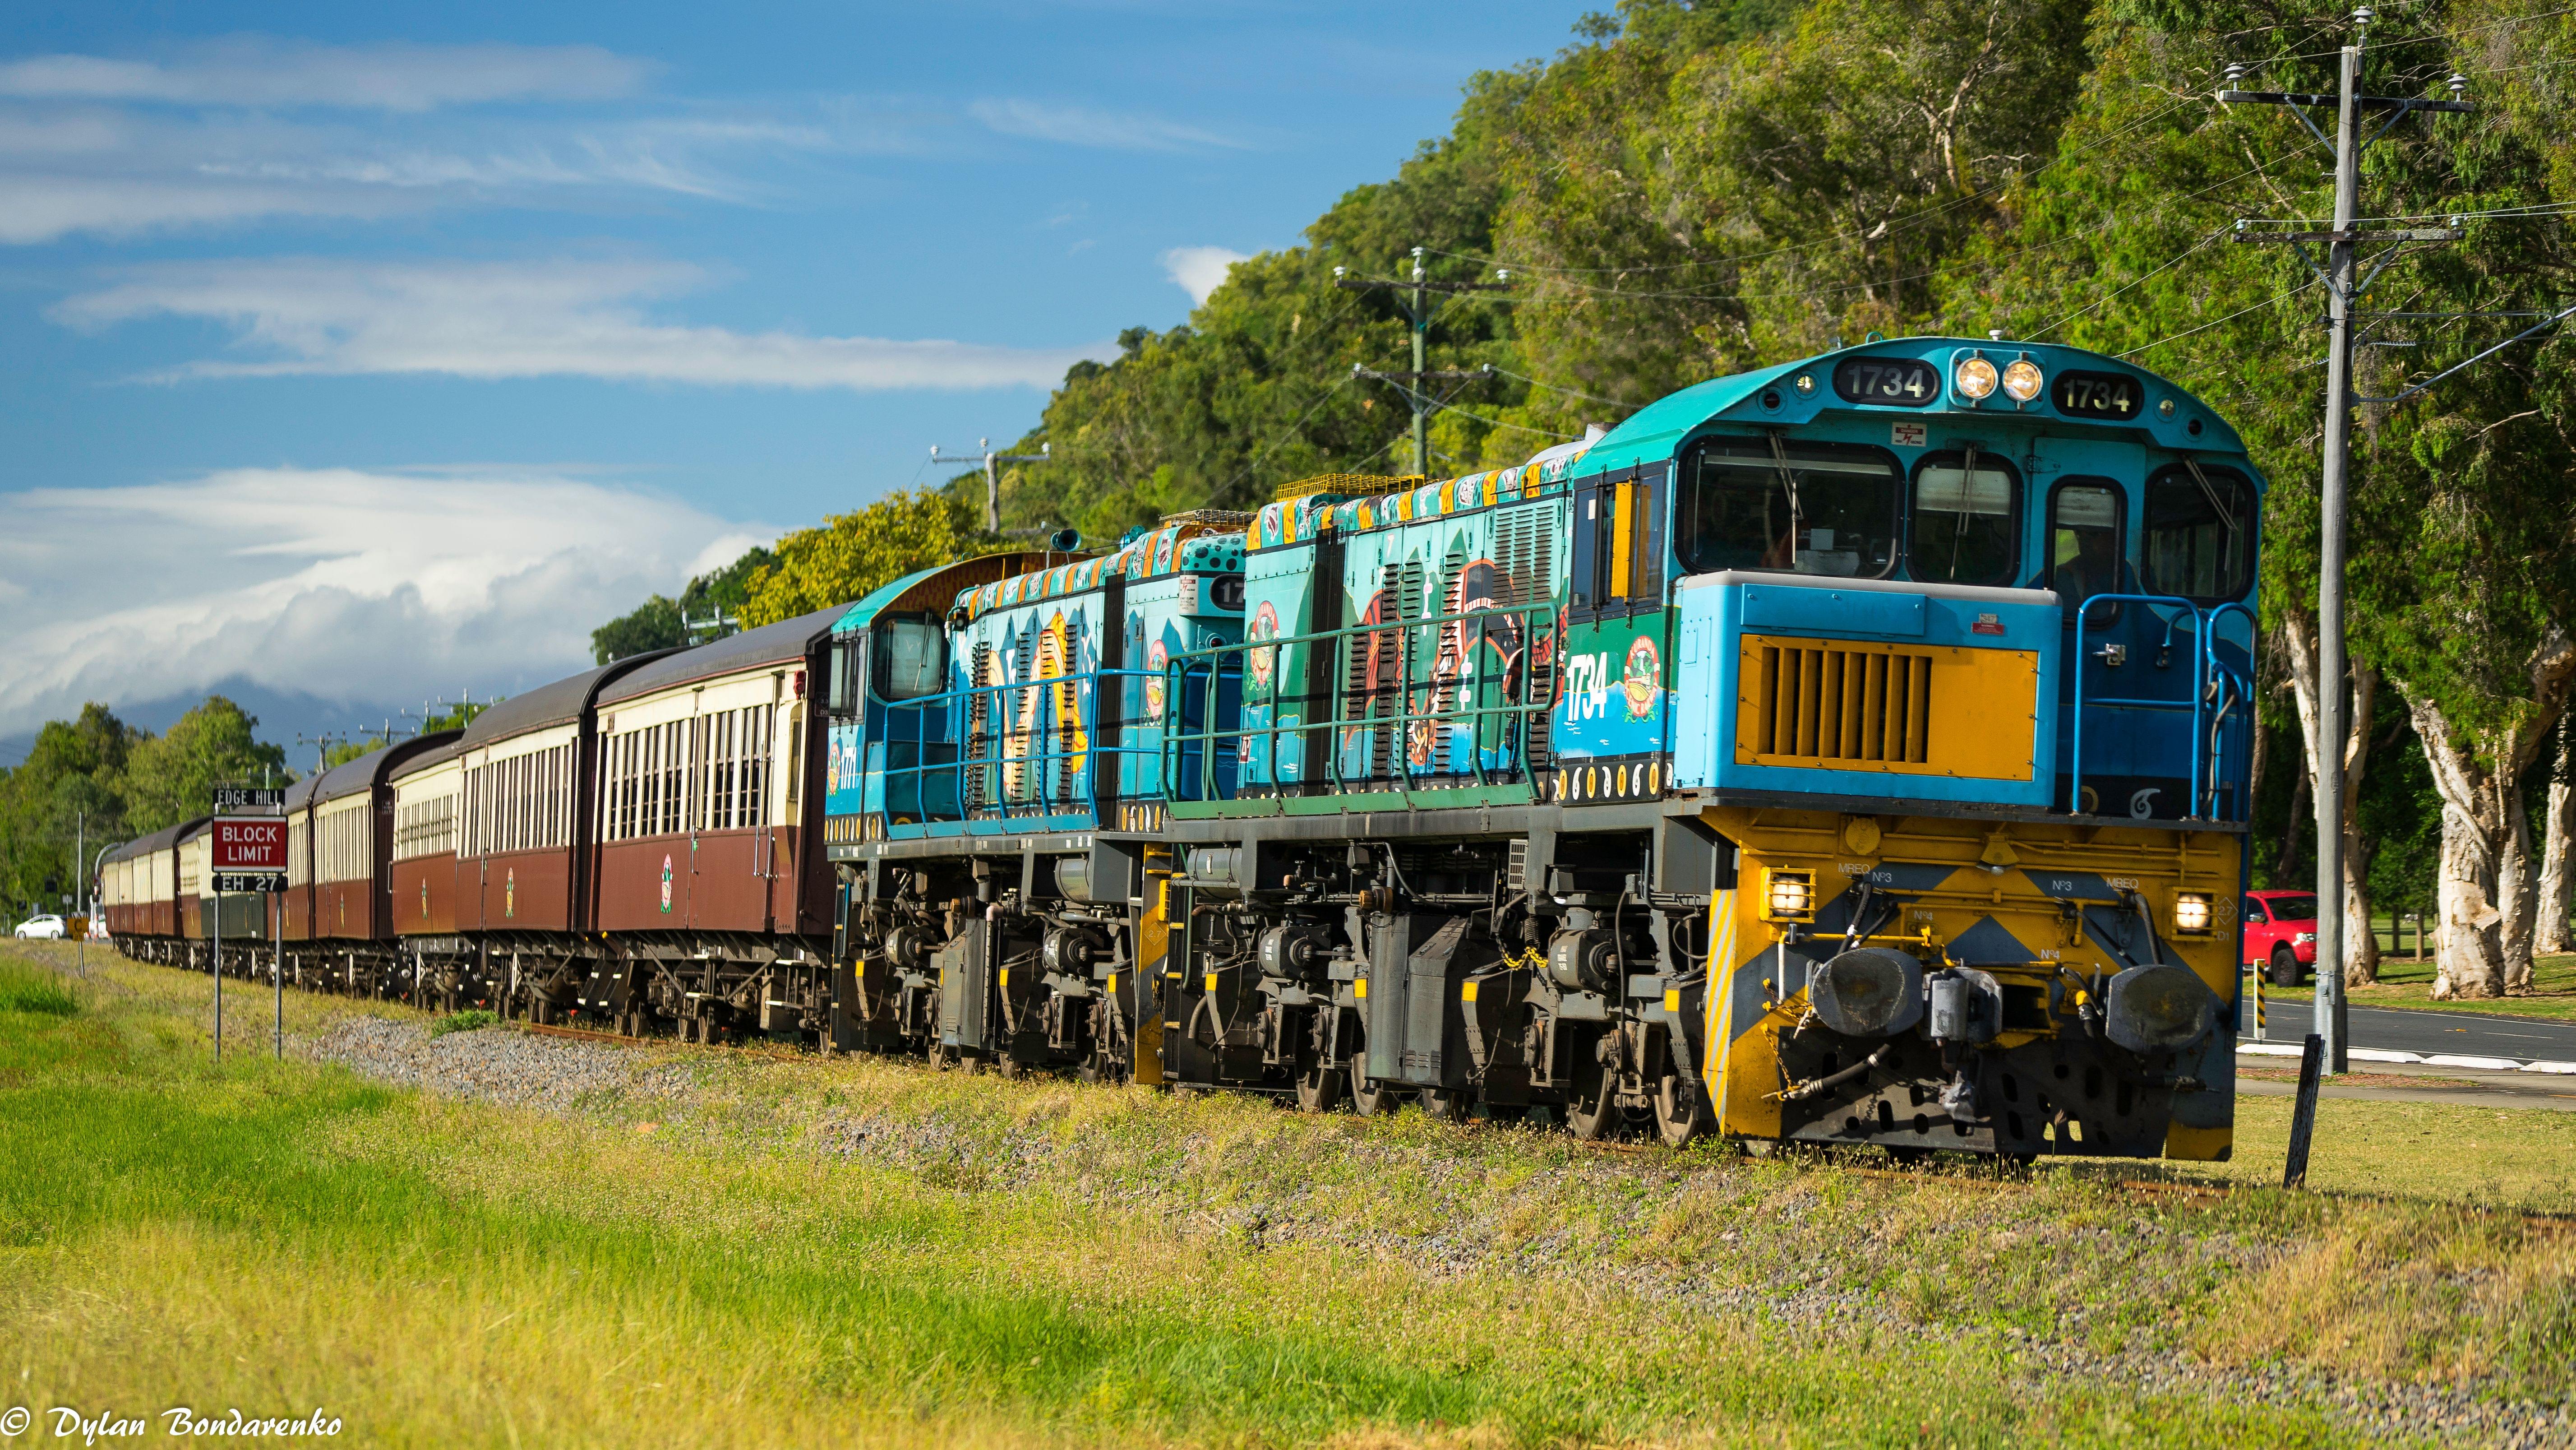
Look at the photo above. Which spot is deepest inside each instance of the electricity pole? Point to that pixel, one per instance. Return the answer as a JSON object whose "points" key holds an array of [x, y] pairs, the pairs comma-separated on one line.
{"points": [[1420, 289], [2342, 291], [993, 474]]}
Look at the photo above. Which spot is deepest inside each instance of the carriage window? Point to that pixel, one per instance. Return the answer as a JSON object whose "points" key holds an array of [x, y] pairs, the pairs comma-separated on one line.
{"points": [[912, 657], [2084, 542], [1965, 510], [1810, 508], [2200, 533]]}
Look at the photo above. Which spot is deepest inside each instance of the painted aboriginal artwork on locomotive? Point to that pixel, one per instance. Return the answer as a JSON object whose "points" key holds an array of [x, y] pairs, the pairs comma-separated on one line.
{"points": [[1615, 699]]}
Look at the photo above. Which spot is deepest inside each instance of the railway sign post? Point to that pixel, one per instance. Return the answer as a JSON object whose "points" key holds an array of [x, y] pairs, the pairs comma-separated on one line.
{"points": [[249, 855]]}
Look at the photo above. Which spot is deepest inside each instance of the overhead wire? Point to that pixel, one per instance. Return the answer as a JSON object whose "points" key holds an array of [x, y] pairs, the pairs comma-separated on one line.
{"points": [[2231, 317], [2134, 281]]}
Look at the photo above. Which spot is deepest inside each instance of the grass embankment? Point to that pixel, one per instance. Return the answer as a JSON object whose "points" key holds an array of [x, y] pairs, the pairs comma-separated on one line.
{"points": [[758, 1248], [2405, 982]]}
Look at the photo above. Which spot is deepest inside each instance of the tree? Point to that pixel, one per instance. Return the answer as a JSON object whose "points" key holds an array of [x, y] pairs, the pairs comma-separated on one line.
{"points": [[65, 793], [853, 553], [173, 778], [662, 623]]}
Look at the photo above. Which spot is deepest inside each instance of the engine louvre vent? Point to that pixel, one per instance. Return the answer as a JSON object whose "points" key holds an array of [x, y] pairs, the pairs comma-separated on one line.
{"points": [[1856, 702]]}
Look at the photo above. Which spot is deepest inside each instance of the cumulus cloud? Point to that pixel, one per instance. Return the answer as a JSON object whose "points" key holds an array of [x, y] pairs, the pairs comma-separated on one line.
{"points": [[1084, 126], [346, 585], [525, 320], [1201, 270], [259, 73]]}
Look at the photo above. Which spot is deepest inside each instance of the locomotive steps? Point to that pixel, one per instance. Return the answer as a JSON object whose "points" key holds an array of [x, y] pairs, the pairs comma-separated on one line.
{"points": [[510, 1233]]}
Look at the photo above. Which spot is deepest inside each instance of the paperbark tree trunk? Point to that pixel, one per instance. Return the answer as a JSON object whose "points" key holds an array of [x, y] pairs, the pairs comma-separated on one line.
{"points": [[2558, 832], [2489, 891], [2299, 633]]}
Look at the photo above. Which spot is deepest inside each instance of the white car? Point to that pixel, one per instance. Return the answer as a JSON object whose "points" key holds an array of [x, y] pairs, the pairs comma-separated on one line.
{"points": [[42, 928]]}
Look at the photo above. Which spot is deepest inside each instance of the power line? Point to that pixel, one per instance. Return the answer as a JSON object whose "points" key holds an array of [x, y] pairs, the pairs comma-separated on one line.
{"points": [[2107, 296], [2206, 326], [1275, 443], [1422, 287], [1569, 392], [1917, 218]]}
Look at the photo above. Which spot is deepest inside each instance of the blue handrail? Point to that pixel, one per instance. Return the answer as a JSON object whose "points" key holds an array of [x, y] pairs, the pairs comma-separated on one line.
{"points": [[1037, 756], [2207, 753]]}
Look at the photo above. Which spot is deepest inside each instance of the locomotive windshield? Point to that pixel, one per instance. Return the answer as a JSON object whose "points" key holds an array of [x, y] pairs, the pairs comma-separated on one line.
{"points": [[1804, 508], [1966, 511], [2200, 533]]}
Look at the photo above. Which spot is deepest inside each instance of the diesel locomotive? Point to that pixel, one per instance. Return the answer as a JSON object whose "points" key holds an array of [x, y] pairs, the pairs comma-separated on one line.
{"points": [[1847, 752]]}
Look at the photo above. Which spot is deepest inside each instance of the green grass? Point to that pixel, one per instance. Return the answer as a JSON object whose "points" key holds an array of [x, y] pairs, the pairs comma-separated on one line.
{"points": [[465, 1021], [767, 1248], [25, 988]]}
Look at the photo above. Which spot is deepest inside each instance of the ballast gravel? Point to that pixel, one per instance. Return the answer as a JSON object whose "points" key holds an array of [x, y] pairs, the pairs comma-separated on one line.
{"points": [[567, 1076]]}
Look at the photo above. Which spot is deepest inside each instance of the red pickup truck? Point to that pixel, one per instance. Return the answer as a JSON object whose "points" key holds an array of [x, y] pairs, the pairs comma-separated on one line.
{"points": [[2281, 933]]}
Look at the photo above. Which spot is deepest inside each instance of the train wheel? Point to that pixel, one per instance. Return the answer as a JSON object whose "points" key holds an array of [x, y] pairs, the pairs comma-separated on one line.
{"points": [[1319, 1088], [1447, 1105], [1592, 1102], [1681, 1114], [1370, 1098]]}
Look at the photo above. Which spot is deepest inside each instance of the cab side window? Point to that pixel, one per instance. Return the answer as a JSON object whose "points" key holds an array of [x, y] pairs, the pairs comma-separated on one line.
{"points": [[2254, 911], [2199, 533], [1619, 541], [911, 659]]}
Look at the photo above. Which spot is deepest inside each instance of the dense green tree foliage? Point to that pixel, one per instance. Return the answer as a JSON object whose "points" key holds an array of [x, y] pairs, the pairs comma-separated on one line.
{"points": [[98, 780]]}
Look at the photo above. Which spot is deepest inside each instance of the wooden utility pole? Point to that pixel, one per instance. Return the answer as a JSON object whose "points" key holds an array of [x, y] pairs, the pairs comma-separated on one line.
{"points": [[1420, 289], [2342, 291]]}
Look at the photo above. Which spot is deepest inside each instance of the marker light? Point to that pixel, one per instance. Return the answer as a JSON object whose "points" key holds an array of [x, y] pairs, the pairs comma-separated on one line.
{"points": [[2022, 380], [2191, 913], [1974, 379], [1789, 896], [1806, 383]]}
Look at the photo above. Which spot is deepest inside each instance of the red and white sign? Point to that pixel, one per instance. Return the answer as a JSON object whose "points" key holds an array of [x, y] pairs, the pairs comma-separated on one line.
{"points": [[250, 843]]}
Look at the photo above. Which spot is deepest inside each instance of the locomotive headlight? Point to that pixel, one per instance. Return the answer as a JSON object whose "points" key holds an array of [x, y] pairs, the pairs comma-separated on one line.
{"points": [[1974, 378], [2022, 380], [1788, 896], [2191, 913]]}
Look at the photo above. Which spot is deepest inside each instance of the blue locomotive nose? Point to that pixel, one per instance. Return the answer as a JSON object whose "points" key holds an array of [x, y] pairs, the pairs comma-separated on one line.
{"points": [[1902, 691]]}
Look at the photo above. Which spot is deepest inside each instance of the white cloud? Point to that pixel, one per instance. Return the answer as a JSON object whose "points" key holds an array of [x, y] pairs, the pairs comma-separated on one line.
{"points": [[1083, 126], [1201, 270], [347, 585], [255, 73], [525, 320], [231, 133]]}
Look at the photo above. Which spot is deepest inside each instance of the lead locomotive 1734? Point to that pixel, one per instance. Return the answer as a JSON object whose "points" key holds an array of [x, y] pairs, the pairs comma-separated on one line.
{"points": [[1848, 752]]}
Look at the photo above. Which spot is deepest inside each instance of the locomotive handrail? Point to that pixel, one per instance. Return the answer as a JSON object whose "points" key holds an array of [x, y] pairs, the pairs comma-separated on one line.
{"points": [[2208, 671], [1042, 758], [1535, 620]]}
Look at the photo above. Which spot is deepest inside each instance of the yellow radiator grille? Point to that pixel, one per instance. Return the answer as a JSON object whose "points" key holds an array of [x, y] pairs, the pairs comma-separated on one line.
{"points": [[1843, 702]]}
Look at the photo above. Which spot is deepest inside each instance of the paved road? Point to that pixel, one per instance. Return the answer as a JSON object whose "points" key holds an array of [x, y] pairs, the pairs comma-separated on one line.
{"points": [[2401, 1030]]}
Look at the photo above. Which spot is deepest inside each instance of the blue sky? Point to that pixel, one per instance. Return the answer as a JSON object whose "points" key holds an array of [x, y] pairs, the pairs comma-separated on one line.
{"points": [[352, 355]]}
